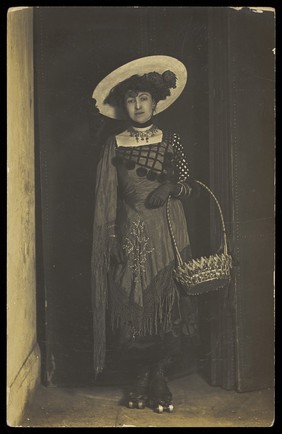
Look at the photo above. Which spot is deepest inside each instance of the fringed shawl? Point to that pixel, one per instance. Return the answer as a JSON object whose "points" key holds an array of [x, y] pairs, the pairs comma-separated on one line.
{"points": [[103, 229]]}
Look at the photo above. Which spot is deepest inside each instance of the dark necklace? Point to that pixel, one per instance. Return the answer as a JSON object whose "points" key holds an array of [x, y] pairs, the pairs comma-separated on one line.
{"points": [[144, 125]]}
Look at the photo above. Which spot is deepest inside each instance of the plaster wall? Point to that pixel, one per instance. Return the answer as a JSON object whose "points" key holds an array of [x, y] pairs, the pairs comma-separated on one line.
{"points": [[23, 356]]}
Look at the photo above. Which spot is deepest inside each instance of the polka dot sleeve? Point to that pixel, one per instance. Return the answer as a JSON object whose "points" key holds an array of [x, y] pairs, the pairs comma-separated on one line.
{"points": [[180, 160], [187, 186]]}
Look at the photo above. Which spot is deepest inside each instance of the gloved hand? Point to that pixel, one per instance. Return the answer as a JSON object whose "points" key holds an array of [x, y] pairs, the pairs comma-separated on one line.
{"points": [[159, 196], [117, 253]]}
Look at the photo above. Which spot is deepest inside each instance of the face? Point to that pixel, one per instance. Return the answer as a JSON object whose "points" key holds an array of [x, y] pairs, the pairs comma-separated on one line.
{"points": [[139, 106]]}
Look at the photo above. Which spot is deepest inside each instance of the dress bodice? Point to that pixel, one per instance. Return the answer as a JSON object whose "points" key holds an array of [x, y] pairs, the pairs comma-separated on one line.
{"points": [[157, 162]]}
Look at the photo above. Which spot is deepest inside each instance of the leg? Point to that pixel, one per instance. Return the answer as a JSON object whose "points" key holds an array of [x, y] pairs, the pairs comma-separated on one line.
{"points": [[144, 352], [159, 392], [138, 396]]}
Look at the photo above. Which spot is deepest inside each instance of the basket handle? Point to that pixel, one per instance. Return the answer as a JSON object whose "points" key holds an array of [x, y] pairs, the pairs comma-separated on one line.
{"points": [[178, 256]]}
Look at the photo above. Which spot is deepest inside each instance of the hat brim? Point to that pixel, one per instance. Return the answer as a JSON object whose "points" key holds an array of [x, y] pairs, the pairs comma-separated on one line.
{"points": [[140, 66]]}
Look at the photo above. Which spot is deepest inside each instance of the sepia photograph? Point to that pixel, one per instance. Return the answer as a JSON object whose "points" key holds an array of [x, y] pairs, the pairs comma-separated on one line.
{"points": [[141, 216]]}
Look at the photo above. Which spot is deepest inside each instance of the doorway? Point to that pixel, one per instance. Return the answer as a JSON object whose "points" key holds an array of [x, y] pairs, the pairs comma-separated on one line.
{"points": [[73, 52]]}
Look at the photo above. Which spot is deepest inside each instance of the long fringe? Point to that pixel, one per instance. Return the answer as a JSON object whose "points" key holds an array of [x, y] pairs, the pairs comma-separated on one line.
{"points": [[156, 315], [104, 218], [154, 318], [100, 264]]}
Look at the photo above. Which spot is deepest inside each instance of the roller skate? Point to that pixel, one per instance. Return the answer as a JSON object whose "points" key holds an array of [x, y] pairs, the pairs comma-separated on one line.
{"points": [[138, 398], [160, 397]]}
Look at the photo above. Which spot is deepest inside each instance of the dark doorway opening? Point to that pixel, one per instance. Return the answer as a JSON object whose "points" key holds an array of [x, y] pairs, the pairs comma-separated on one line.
{"points": [[75, 47]]}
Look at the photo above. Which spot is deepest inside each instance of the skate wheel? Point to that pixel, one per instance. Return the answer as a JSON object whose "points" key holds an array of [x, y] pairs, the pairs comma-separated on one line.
{"points": [[131, 404], [159, 409], [140, 404], [170, 408]]}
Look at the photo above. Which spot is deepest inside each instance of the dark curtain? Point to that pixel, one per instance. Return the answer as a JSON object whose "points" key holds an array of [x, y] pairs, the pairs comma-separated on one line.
{"points": [[241, 318]]}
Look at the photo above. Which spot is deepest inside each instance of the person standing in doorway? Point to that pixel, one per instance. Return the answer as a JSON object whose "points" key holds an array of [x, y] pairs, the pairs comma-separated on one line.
{"points": [[132, 256]]}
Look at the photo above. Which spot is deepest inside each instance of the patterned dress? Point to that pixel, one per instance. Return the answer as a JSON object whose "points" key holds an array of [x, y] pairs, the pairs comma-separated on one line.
{"points": [[144, 295], [140, 292]]}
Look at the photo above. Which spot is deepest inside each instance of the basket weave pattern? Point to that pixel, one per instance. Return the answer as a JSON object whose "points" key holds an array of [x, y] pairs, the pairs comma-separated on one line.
{"points": [[199, 275]]}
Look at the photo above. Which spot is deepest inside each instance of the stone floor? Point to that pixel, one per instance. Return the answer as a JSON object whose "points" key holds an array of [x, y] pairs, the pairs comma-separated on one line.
{"points": [[196, 405]]}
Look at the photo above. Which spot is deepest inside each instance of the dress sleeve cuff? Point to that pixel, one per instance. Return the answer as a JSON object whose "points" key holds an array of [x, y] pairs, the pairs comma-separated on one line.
{"points": [[184, 189]]}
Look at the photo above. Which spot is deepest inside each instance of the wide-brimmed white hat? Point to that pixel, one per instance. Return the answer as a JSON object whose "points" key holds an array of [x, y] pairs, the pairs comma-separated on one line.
{"points": [[141, 66]]}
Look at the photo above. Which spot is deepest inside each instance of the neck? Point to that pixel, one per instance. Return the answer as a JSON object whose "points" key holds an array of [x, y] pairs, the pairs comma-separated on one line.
{"points": [[144, 125]]}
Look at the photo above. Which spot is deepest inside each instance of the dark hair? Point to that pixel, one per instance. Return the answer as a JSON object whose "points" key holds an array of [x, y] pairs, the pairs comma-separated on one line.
{"points": [[158, 85]]}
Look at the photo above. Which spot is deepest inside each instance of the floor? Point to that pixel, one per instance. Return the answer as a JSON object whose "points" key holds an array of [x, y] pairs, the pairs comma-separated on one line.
{"points": [[196, 405]]}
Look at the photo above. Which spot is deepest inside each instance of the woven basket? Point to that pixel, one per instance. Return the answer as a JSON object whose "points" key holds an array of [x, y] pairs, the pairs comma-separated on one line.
{"points": [[205, 274]]}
